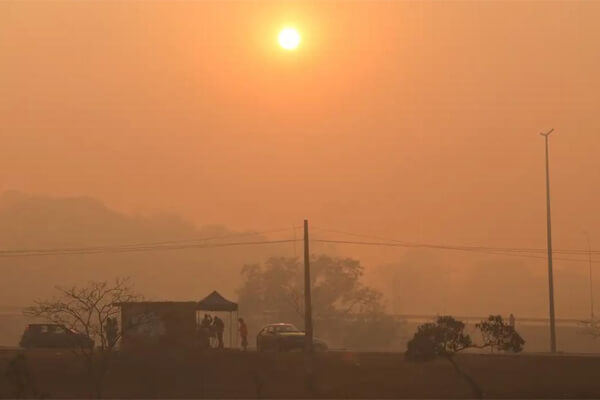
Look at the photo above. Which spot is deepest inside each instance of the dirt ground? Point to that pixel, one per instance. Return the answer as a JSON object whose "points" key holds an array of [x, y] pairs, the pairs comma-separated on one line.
{"points": [[233, 374]]}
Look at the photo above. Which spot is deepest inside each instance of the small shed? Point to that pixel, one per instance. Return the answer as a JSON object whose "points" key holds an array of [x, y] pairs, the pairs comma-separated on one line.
{"points": [[169, 322], [158, 322]]}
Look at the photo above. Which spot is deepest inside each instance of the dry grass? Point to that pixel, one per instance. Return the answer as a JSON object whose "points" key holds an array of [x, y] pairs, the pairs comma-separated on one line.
{"points": [[232, 374]]}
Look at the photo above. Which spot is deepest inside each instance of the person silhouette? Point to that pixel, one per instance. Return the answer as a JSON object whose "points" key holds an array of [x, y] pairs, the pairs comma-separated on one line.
{"points": [[219, 328], [243, 333]]}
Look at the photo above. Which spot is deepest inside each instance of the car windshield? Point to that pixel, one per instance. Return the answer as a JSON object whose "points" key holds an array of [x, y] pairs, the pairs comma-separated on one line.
{"points": [[286, 328]]}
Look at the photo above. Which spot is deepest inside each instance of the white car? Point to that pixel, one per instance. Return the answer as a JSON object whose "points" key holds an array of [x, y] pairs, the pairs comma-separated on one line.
{"points": [[284, 337]]}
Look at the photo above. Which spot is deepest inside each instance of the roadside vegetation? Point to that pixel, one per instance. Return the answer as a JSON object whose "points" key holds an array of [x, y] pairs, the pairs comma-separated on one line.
{"points": [[446, 337], [346, 313], [89, 310]]}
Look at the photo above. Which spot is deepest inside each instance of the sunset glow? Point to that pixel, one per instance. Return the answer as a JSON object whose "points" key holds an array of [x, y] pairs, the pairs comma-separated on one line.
{"points": [[289, 38]]}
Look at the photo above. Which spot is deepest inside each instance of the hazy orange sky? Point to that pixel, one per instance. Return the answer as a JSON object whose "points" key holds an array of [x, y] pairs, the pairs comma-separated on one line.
{"points": [[412, 120]]}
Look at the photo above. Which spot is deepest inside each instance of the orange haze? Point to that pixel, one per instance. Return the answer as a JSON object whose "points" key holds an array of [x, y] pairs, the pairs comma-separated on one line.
{"points": [[417, 121]]}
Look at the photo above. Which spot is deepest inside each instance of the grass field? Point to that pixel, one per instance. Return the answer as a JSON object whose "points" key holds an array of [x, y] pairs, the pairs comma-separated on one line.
{"points": [[233, 374]]}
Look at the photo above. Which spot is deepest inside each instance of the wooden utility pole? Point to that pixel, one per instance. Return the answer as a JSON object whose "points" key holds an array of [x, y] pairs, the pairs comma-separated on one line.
{"points": [[308, 328], [549, 239]]}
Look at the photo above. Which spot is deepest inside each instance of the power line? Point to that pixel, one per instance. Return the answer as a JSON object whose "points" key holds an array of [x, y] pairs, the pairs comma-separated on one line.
{"points": [[35, 253], [190, 244], [466, 248], [139, 245], [493, 251], [244, 234]]}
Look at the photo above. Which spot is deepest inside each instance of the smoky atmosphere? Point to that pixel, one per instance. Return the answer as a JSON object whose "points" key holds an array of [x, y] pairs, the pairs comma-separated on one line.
{"points": [[299, 199]]}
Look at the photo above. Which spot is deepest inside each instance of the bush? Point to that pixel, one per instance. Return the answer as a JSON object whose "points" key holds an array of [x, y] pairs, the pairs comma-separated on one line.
{"points": [[443, 337], [499, 335]]}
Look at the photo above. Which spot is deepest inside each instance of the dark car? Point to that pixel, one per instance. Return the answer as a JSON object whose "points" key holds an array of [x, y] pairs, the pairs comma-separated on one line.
{"points": [[284, 337], [53, 336]]}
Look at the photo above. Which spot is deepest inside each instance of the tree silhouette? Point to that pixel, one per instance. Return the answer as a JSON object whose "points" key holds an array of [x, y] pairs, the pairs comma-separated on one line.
{"points": [[87, 309], [445, 337], [342, 304], [441, 338], [499, 335]]}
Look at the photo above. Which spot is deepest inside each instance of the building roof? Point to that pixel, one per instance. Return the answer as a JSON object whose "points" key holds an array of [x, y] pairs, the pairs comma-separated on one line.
{"points": [[157, 303], [212, 302]]}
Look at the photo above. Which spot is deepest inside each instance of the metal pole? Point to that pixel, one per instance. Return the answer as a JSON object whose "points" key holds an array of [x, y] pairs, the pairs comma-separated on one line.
{"points": [[587, 236], [549, 237], [308, 329]]}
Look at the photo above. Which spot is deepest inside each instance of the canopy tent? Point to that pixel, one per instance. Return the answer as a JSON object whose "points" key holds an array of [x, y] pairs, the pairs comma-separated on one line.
{"points": [[216, 302]]}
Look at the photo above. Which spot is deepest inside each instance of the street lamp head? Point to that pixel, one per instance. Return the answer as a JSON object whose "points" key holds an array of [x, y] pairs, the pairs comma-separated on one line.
{"points": [[547, 133]]}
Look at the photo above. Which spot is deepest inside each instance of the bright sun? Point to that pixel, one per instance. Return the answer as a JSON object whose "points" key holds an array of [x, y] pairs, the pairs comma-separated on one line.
{"points": [[289, 38]]}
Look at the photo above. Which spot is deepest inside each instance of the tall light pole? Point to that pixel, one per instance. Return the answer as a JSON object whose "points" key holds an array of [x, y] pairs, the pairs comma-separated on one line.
{"points": [[587, 236], [549, 237]]}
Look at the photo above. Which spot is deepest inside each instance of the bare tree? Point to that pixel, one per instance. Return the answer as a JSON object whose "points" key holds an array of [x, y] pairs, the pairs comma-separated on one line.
{"points": [[87, 310]]}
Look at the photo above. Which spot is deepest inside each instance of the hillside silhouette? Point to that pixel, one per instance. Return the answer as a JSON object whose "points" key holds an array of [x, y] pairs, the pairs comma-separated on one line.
{"points": [[34, 222]]}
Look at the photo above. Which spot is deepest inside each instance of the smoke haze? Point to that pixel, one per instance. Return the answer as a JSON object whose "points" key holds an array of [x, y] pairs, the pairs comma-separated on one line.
{"points": [[415, 121]]}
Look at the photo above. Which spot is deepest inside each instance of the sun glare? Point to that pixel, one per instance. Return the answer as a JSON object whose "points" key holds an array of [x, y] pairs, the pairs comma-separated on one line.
{"points": [[289, 38]]}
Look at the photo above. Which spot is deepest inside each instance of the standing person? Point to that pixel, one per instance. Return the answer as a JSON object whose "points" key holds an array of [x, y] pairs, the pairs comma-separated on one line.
{"points": [[511, 321], [243, 333], [206, 321], [219, 327], [207, 328]]}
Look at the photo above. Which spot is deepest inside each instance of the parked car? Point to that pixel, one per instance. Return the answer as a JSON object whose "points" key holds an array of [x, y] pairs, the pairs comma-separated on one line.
{"points": [[284, 337], [53, 336]]}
